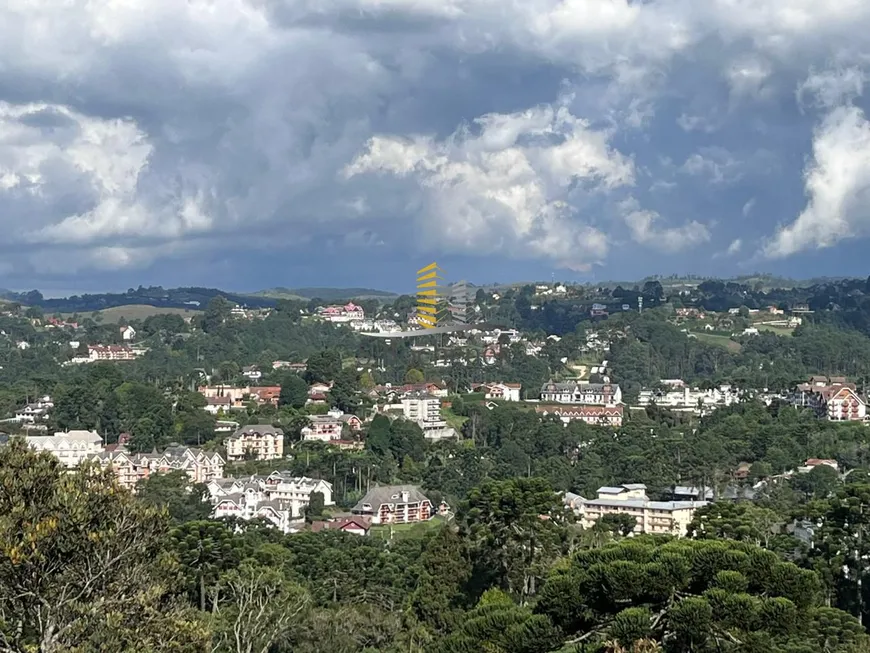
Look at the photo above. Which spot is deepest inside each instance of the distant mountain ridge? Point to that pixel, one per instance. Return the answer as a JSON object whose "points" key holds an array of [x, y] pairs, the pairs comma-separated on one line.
{"points": [[190, 298], [326, 294]]}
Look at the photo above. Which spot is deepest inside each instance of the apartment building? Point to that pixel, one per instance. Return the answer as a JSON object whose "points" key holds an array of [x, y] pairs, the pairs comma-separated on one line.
{"points": [[652, 517], [259, 441], [395, 504], [70, 447], [199, 466], [425, 410], [831, 398]]}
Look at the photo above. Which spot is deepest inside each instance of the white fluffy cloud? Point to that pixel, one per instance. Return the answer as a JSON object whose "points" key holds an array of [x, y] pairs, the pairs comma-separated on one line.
{"points": [[646, 228], [837, 184], [133, 132], [505, 183]]}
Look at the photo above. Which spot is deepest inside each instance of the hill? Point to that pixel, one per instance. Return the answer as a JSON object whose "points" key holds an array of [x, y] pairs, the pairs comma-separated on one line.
{"points": [[156, 296], [327, 294], [137, 312]]}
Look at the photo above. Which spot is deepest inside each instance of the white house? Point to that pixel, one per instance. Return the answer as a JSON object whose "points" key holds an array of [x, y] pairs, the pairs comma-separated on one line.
{"points": [[503, 391], [128, 333]]}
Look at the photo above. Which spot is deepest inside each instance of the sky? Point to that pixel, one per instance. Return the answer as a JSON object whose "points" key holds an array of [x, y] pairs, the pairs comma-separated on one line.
{"points": [[248, 144]]}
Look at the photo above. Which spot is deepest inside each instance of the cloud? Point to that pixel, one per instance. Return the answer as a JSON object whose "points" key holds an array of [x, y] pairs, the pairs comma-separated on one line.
{"points": [[645, 229], [831, 88], [747, 208], [735, 247], [837, 182], [141, 133], [714, 163], [503, 184]]}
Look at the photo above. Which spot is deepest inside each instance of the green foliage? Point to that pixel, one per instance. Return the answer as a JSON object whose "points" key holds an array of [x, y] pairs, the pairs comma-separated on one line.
{"points": [[173, 491]]}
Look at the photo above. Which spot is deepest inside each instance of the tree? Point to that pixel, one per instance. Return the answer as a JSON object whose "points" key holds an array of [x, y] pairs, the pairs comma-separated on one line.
{"points": [[314, 509], [294, 391], [617, 523], [323, 366], [818, 483], [414, 376], [694, 596], [174, 492], [216, 314], [205, 549], [515, 526], [343, 393], [256, 609], [82, 563]]}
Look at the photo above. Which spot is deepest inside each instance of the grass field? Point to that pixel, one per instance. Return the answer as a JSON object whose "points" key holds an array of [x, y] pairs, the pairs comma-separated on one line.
{"points": [[719, 341], [406, 530], [453, 420], [136, 312], [780, 331]]}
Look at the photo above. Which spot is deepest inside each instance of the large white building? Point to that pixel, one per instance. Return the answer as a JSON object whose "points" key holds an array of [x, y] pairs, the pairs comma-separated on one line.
{"points": [[69, 447], [652, 517], [280, 498], [425, 410], [681, 398]]}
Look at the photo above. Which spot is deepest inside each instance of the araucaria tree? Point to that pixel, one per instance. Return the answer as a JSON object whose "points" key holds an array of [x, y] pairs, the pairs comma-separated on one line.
{"points": [[82, 567]]}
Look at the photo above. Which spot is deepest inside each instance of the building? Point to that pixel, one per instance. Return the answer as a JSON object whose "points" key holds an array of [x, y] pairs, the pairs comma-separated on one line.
{"points": [[352, 525], [350, 312], [592, 415], [588, 394], [394, 504], [69, 447], [318, 392], [232, 398], [35, 412], [128, 333], [330, 427], [259, 441], [652, 517], [425, 410], [500, 391], [98, 353], [199, 466], [681, 398], [252, 372], [830, 398], [279, 498]]}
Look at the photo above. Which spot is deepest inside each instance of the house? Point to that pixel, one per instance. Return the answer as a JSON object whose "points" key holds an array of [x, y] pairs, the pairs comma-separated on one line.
{"points": [[35, 412], [264, 394], [352, 525], [23, 344], [502, 391], [322, 428], [598, 310], [215, 405], [833, 399], [592, 415], [652, 517], [69, 447], [394, 504], [812, 463], [128, 333], [260, 441], [252, 372], [589, 394], [317, 393], [237, 398]]}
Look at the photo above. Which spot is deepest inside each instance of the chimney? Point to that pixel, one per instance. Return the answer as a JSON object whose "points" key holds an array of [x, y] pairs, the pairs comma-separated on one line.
{"points": [[405, 497]]}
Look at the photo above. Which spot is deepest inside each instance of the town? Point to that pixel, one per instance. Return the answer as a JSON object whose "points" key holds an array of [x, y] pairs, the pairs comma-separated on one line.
{"points": [[617, 413]]}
